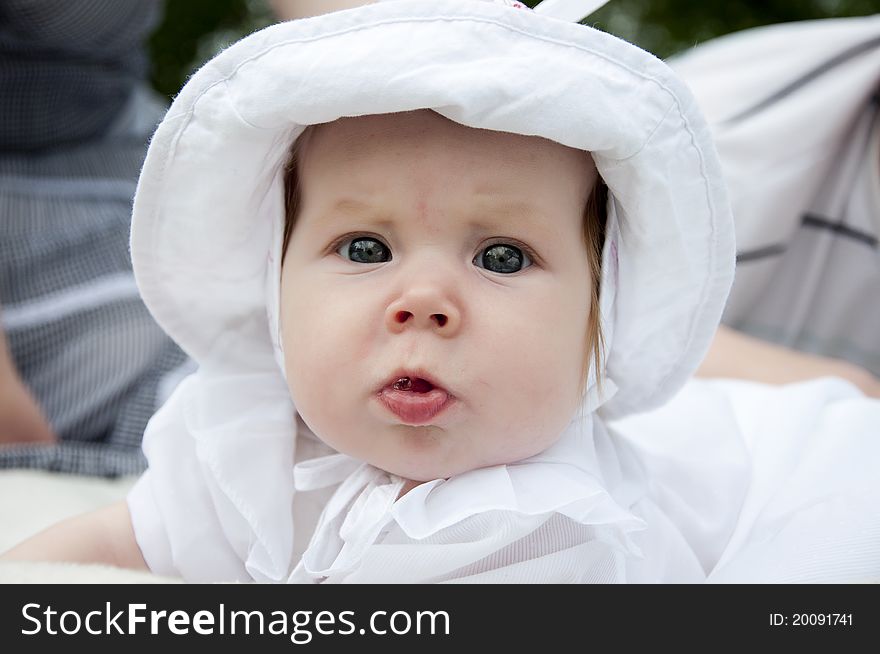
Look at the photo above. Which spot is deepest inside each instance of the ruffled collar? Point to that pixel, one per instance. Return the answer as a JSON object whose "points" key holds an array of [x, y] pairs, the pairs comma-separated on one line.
{"points": [[582, 476]]}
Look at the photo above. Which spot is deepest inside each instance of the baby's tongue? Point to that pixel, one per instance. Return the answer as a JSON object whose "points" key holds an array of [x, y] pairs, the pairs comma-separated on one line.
{"points": [[420, 386], [416, 385]]}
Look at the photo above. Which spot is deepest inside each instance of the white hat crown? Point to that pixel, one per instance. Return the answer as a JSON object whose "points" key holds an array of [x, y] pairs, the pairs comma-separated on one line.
{"points": [[210, 198]]}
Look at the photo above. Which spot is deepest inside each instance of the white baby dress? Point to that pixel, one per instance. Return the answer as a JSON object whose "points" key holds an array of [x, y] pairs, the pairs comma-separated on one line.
{"points": [[719, 484]]}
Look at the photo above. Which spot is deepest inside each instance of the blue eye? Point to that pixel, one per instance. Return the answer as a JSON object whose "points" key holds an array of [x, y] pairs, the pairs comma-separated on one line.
{"points": [[364, 249], [502, 258]]}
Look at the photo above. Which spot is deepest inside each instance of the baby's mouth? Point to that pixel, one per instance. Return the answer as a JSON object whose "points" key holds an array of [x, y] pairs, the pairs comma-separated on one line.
{"points": [[414, 399], [412, 381], [415, 385]]}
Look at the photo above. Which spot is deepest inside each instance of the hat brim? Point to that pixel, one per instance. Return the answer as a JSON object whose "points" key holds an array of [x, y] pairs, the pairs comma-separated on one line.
{"points": [[211, 190]]}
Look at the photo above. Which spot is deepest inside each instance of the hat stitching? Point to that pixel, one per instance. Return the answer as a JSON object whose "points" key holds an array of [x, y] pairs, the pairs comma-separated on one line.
{"points": [[428, 19]]}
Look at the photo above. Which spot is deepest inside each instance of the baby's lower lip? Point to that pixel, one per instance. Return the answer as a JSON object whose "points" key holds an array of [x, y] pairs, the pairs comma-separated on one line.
{"points": [[415, 408]]}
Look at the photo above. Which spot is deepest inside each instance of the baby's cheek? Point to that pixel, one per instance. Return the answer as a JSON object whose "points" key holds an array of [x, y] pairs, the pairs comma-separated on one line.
{"points": [[550, 393], [309, 361], [320, 365], [548, 385], [304, 372], [302, 362]]}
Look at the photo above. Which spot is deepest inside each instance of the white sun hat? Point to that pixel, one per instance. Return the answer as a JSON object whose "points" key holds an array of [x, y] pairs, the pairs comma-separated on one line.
{"points": [[204, 216], [206, 244]]}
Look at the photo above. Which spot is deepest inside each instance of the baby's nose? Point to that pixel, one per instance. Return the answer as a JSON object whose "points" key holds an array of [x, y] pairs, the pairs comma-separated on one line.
{"points": [[424, 308]]}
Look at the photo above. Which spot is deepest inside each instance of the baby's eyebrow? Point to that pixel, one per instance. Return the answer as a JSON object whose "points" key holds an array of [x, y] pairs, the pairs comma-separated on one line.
{"points": [[485, 212], [499, 214], [351, 205], [507, 208], [346, 207]]}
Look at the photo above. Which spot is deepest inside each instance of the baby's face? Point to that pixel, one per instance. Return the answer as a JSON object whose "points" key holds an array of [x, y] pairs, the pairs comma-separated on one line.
{"points": [[435, 292]]}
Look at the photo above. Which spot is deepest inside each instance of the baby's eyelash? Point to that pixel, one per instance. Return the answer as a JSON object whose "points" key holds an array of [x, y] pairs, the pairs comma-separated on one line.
{"points": [[337, 243], [498, 240], [501, 240]]}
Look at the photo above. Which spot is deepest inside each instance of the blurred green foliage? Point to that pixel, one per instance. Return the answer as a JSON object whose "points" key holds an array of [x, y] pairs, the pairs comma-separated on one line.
{"points": [[666, 27], [193, 31]]}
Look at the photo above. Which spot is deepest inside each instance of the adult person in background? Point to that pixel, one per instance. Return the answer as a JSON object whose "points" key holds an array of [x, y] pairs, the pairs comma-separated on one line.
{"points": [[794, 110], [291, 9], [82, 364]]}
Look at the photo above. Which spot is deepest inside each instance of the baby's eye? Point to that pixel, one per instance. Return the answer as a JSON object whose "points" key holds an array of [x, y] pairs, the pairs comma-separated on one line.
{"points": [[364, 249], [502, 258]]}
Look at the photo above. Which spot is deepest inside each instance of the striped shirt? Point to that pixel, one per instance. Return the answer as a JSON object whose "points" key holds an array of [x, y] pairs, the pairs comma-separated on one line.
{"points": [[76, 117], [794, 110], [825, 293]]}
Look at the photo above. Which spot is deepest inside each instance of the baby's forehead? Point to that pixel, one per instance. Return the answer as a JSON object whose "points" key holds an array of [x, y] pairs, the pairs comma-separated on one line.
{"points": [[424, 136], [384, 133]]}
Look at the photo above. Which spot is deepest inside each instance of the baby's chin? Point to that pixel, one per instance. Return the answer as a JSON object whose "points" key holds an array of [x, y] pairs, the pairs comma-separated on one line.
{"points": [[420, 472]]}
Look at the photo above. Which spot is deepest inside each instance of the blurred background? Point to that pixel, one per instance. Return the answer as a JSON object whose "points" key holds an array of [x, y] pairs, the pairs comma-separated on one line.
{"points": [[192, 31]]}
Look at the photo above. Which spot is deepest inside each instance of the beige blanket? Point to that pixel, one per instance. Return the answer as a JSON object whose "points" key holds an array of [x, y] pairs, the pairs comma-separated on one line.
{"points": [[30, 501]]}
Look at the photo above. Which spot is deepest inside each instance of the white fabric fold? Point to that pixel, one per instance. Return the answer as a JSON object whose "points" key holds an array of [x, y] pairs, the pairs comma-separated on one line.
{"points": [[324, 471], [769, 484], [572, 478], [349, 524], [570, 10], [227, 443]]}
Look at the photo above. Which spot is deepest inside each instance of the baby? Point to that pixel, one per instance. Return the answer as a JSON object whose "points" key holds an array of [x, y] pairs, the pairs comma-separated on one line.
{"points": [[439, 294], [439, 291], [386, 237]]}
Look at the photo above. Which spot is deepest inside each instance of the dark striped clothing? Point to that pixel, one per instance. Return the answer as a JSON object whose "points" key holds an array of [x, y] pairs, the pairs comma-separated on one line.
{"points": [[67, 67], [825, 293], [795, 115], [76, 117]]}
